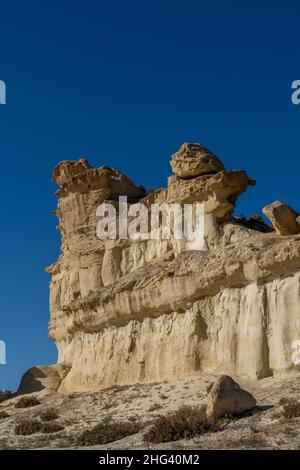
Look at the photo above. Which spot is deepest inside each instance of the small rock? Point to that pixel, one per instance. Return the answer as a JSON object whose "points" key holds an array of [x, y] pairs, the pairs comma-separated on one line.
{"points": [[283, 218], [194, 160], [227, 397]]}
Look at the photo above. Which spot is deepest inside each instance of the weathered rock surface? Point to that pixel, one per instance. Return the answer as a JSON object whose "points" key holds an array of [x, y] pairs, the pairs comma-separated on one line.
{"points": [[226, 397], [40, 378], [79, 177], [128, 311], [219, 192], [194, 160], [283, 218]]}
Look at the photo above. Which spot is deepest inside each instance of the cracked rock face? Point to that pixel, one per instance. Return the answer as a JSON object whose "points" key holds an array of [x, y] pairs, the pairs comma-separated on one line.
{"points": [[138, 311]]}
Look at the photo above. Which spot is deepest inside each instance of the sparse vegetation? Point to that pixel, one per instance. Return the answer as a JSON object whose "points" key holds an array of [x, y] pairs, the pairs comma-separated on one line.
{"points": [[250, 442], [284, 400], [107, 404], [253, 442], [50, 414], [3, 414], [117, 388], [107, 431], [185, 423], [27, 402], [154, 407], [50, 427], [162, 396], [4, 444], [71, 396], [291, 409], [5, 395], [27, 426]]}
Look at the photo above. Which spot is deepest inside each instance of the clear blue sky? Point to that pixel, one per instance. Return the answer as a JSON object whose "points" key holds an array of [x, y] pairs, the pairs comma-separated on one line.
{"points": [[124, 84]]}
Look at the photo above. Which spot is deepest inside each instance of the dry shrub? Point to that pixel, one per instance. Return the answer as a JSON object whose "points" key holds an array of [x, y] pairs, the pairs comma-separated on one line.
{"points": [[49, 414], [185, 423], [253, 442], [154, 407], [4, 445], [118, 388], [63, 442], [4, 414], [291, 409], [51, 427], [27, 402], [107, 431], [27, 426], [250, 442], [5, 395], [72, 396], [231, 443]]}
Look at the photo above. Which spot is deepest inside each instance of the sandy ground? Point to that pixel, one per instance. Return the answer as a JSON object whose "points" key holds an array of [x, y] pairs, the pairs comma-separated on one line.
{"points": [[263, 429]]}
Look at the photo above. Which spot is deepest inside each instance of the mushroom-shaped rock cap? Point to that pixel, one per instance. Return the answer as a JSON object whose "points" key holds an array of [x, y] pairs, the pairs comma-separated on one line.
{"points": [[67, 169], [77, 176], [193, 160]]}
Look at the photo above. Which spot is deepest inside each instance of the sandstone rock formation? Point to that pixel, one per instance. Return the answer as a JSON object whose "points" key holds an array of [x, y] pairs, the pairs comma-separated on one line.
{"points": [[283, 218], [126, 311], [40, 378], [194, 160], [226, 397]]}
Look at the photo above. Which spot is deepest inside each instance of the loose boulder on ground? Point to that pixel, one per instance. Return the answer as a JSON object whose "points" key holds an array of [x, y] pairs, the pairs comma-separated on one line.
{"points": [[226, 397]]}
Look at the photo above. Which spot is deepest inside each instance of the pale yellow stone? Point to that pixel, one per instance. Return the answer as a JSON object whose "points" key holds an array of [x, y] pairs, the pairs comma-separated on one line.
{"points": [[283, 218], [194, 160], [125, 312]]}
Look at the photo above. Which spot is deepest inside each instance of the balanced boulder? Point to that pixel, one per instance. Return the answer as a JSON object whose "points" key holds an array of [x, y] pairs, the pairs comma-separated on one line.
{"points": [[194, 160]]}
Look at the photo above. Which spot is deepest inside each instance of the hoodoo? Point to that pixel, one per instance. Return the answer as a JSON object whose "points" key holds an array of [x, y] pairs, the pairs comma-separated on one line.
{"points": [[136, 311]]}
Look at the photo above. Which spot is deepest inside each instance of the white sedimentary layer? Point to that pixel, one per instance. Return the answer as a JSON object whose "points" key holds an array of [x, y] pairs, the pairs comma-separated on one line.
{"points": [[127, 311], [247, 332]]}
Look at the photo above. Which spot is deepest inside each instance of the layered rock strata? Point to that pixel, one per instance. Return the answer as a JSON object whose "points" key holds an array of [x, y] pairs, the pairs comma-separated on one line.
{"points": [[145, 310]]}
